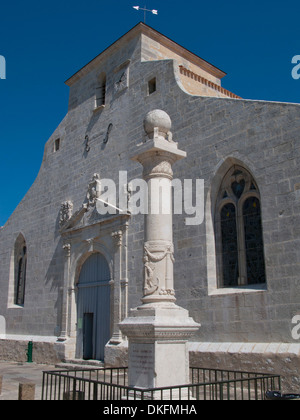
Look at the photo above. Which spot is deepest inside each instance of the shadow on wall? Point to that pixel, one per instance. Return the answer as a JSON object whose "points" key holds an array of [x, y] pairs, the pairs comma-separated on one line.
{"points": [[54, 281]]}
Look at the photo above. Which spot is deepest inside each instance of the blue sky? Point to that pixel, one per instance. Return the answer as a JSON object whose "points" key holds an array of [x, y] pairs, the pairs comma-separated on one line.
{"points": [[45, 42]]}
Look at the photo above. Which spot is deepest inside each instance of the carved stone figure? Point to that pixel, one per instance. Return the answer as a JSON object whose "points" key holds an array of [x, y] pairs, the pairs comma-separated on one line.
{"points": [[151, 284], [66, 210], [94, 189], [156, 275]]}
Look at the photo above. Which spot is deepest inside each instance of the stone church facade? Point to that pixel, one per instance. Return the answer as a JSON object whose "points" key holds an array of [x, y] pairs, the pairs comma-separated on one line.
{"points": [[69, 275]]}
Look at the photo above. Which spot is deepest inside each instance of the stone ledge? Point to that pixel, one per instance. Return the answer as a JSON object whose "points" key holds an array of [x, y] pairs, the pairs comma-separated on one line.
{"points": [[255, 348], [34, 338], [49, 352], [275, 358]]}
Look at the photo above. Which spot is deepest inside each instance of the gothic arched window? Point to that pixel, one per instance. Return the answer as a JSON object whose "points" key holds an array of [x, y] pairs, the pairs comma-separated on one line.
{"points": [[238, 226]]}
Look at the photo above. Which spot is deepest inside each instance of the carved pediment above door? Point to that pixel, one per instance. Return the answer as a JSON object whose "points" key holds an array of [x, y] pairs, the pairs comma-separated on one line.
{"points": [[88, 214]]}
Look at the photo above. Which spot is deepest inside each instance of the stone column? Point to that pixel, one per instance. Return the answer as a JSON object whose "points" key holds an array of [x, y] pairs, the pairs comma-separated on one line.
{"points": [[67, 336], [158, 330], [64, 307], [116, 289]]}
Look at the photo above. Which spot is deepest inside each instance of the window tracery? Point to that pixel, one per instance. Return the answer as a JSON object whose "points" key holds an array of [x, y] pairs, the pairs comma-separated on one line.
{"points": [[238, 227]]}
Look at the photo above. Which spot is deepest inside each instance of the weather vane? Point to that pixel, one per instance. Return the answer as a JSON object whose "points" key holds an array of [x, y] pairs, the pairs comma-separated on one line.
{"points": [[155, 12]]}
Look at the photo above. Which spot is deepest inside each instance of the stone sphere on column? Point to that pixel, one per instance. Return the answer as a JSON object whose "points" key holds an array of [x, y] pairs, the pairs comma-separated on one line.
{"points": [[157, 119]]}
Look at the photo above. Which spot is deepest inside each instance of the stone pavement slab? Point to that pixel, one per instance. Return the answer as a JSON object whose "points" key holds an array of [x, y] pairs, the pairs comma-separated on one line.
{"points": [[14, 373]]}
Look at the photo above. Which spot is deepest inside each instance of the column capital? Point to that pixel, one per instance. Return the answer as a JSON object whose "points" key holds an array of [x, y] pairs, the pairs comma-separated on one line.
{"points": [[159, 149], [158, 140]]}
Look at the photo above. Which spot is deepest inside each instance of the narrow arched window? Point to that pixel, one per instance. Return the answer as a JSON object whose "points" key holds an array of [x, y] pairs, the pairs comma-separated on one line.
{"points": [[230, 260], [20, 270], [254, 248], [238, 227]]}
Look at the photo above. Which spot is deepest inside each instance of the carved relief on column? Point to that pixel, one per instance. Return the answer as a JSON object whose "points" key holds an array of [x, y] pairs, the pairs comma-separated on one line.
{"points": [[158, 271]]}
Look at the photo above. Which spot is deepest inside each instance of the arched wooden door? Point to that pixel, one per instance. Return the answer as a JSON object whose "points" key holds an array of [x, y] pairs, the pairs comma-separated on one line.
{"points": [[93, 310]]}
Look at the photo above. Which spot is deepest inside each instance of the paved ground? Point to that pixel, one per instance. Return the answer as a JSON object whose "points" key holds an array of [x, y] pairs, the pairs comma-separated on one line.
{"points": [[14, 373]]}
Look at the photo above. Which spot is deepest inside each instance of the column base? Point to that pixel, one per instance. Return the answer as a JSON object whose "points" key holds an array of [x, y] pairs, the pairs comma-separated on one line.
{"points": [[158, 299], [157, 335]]}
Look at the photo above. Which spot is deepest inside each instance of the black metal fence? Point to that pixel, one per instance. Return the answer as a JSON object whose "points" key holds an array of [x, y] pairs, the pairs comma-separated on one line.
{"points": [[111, 384]]}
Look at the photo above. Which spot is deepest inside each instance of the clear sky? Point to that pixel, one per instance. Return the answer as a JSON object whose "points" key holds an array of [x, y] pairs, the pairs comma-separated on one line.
{"points": [[45, 42]]}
